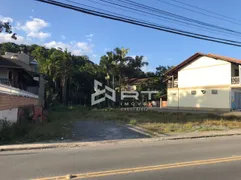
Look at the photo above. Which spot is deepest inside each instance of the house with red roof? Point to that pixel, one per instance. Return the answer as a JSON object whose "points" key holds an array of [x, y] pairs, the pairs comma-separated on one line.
{"points": [[205, 82]]}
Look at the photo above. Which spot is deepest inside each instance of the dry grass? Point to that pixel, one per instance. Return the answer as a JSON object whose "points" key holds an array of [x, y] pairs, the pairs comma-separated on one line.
{"points": [[61, 121], [164, 122]]}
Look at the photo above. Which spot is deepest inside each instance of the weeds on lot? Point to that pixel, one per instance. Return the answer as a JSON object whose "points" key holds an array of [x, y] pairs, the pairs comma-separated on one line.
{"points": [[186, 122], [10, 132], [57, 127], [61, 120], [133, 122]]}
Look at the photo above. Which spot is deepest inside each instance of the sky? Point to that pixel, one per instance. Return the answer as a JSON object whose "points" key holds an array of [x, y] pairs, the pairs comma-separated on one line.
{"points": [[82, 34]]}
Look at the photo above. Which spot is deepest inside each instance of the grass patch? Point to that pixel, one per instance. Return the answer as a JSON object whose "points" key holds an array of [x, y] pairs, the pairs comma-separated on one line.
{"points": [[158, 122], [167, 122], [133, 122], [61, 120], [58, 127]]}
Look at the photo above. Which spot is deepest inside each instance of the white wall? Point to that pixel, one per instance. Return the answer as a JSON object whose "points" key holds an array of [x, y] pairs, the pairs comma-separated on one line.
{"points": [[200, 100], [205, 71], [10, 114], [172, 97]]}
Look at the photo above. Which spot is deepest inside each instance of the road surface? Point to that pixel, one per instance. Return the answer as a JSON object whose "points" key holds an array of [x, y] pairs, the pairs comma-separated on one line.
{"points": [[198, 159]]}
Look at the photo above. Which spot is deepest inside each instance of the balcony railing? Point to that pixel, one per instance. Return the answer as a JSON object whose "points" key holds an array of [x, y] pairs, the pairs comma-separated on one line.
{"points": [[11, 83], [172, 84], [235, 80], [20, 86]]}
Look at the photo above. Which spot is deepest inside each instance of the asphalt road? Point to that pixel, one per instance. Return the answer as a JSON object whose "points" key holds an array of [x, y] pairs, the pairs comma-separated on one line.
{"points": [[57, 162]]}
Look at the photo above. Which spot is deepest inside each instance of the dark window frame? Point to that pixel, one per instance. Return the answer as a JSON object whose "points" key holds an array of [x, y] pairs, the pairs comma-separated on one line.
{"points": [[214, 91], [236, 72], [193, 92]]}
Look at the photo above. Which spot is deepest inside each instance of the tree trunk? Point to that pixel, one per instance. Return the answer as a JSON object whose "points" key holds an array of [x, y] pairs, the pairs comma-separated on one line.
{"points": [[113, 87], [64, 90]]}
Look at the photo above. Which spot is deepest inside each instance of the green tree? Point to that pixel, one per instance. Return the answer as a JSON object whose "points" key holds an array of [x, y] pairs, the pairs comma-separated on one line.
{"points": [[7, 28]]}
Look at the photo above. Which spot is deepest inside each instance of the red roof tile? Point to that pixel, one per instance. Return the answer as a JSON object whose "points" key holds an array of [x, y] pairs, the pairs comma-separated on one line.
{"points": [[196, 55]]}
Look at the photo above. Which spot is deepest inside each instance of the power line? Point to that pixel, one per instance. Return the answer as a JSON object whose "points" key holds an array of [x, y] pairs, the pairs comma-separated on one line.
{"points": [[175, 15], [186, 23], [136, 11], [227, 17], [202, 13], [180, 19], [141, 23], [138, 19]]}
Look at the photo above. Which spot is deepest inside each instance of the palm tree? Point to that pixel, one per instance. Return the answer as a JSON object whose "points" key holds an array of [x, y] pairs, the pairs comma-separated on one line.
{"points": [[121, 61], [108, 64]]}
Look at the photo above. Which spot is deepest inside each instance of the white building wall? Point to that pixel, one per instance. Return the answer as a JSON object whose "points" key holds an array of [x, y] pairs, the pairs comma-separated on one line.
{"points": [[184, 99], [9, 115], [172, 97], [205, 71]]}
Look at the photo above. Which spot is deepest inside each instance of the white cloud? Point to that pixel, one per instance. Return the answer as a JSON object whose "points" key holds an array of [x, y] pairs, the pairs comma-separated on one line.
{"points": [[147, 68], [85, 47], [39, 35], [6, 19], [33, 28], [54, 44], [76, 48], [35, 25], [89, 35], [7, 38], [63, 37]]}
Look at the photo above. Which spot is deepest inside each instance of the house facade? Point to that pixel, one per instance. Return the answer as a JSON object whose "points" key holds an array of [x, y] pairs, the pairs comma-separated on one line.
{"points": [[19, 84], [205, 82]]}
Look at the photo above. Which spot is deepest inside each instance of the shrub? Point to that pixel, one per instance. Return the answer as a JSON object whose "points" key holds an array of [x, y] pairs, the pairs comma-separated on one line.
{"points": [[10, 132], [133, 122]]}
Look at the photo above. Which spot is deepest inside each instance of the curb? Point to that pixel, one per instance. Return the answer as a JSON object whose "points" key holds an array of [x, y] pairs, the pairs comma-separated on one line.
{"points": [[202, 136], [139, 130], [108, 142]]}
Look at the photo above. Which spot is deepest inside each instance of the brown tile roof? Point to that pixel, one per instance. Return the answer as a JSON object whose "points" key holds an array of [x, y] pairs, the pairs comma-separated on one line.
{"points": [[196, 55], [229, 59], [5, 62], [13, 63], [137, 80]]}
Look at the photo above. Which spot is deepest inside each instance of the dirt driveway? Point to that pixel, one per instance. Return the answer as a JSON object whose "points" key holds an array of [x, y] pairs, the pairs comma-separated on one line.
{"points": [[103, 130]]}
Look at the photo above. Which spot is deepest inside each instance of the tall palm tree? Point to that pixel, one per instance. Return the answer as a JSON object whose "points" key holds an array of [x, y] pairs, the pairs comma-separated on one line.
{"points": [[107, 62], [121, 60]]}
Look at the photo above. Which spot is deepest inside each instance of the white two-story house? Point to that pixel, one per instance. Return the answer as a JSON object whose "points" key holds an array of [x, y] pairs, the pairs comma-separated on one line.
{"points": [[205, 82]]}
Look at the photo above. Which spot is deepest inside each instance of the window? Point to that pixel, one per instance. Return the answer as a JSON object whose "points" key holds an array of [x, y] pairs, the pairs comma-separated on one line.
{"points": [[193, 92], [236, 72], [203, 91], [214, 91]]}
